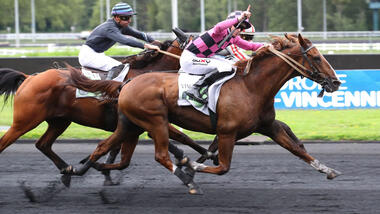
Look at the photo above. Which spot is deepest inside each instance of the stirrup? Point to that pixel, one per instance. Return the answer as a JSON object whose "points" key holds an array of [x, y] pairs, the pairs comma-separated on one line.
{"points": [[196, 99]]}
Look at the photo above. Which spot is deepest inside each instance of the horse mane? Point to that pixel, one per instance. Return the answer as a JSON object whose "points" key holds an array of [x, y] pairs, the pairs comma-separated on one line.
{"points": [[145, 57], [279, 43]]}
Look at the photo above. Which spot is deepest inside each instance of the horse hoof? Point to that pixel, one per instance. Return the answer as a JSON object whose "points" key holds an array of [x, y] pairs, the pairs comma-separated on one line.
{"points": [[333, 174], [194, 189], [66, 180]]}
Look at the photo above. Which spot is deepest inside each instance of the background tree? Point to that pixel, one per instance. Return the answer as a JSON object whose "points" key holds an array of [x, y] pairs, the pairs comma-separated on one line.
{"points": [[155, 15]]}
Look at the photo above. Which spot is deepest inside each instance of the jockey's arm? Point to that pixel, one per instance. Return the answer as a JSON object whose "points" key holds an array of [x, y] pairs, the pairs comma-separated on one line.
{"points": [[117, 36], [253, 46], [137, 34]]}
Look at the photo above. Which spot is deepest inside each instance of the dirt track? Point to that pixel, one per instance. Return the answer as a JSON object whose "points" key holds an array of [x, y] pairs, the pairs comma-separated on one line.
{"points": [[263, 179]]}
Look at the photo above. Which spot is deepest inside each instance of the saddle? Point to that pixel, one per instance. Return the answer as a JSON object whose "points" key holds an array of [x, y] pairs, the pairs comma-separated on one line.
{"points": [[97, 74], [102, 74]]}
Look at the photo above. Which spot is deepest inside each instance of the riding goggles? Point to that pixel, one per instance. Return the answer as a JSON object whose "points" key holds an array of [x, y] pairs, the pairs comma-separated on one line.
{"points": [[125, 18]]}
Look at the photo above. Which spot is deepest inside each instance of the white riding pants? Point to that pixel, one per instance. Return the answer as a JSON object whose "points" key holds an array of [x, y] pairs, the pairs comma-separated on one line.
{"points": [[90, 58], [192, 64]]}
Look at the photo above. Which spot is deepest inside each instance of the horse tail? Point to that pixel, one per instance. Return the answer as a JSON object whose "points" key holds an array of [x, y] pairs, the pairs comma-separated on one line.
{"points": [[10, 81], [108, 88]]}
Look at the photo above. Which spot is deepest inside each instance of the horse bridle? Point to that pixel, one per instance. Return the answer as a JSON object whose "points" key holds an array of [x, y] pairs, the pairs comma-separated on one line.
{"points": [[312, 75]]}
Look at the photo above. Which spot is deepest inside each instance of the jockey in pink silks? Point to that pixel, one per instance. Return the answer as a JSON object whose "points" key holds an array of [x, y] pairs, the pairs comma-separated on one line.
{"points": [[199, 55]]}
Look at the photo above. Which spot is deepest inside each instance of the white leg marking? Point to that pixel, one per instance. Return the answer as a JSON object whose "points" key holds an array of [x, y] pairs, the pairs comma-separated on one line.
{"points": [[174, 167], [197, 166], [320, 167]]}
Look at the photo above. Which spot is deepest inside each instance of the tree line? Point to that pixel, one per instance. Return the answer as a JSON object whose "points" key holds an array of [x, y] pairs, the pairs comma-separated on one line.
{"points": [[155, 15]]}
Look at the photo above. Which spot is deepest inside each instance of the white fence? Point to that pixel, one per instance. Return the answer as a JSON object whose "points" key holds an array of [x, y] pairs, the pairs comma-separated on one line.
{"points": [[370, 35], [348, 46]]}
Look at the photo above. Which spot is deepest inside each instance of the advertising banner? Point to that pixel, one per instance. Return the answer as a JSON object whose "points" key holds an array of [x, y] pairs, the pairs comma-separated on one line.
{"points": [[359, 89]]}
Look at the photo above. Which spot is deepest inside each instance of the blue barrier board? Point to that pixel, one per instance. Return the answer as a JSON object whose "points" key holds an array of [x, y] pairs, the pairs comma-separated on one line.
{"points": [[359, 89]]}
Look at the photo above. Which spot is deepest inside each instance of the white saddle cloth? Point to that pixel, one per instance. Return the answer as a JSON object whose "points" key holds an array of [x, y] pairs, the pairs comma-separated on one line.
{"points": [[185, 81], [96, 76]]}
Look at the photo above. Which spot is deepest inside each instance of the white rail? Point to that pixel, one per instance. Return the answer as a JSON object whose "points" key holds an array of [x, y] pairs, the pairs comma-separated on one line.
{"points": [[163, 35]]}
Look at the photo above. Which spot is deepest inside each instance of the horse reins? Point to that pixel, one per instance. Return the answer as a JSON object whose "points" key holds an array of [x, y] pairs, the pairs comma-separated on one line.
{"points": [[169, 54], [293, 63]]}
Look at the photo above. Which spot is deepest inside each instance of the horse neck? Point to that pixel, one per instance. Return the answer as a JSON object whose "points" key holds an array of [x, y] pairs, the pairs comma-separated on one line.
{"points": [[166, 63], [163, 64], [268, 76]]}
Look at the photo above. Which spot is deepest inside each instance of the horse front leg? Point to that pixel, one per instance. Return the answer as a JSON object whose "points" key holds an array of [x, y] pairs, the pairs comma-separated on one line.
{"points": [[210, 154], [282, 134], [127, 149], [178, 136], [109, 160], [225, 144]]}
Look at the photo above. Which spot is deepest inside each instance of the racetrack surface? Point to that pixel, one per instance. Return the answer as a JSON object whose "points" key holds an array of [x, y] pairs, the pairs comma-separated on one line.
{"points": [[262, 179]]}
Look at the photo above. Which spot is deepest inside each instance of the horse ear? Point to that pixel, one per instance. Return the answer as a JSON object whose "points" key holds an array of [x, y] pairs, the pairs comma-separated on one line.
{"points": [[180, 35], [287, 36], [302, 41]]}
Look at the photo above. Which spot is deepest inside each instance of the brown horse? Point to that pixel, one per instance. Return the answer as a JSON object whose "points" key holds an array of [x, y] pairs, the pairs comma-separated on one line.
{"points": [[48, 100], [245, 105]]}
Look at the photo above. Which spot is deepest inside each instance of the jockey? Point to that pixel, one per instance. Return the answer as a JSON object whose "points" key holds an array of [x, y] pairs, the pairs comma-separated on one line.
{"points": [[234, 51], [199, 55], [106, 35]]}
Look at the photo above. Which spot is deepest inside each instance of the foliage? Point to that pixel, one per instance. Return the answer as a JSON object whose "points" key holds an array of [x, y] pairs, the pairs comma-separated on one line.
{"points": [[155, 15]]}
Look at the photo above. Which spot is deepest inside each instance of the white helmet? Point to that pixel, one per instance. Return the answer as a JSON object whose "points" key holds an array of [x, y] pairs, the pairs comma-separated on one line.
{"points": [[248, 31]]}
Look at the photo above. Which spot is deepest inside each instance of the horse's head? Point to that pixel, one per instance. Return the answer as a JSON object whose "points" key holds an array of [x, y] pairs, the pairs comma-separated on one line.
{"points": [[319, 68], [306, 60]]}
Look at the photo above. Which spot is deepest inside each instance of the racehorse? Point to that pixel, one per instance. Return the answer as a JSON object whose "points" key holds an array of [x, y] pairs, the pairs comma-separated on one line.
{"points": [[245, 105], [42, 97]]}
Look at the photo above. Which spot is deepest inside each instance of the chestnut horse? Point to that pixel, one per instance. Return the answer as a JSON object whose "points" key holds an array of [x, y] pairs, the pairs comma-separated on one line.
{"points": [[245, 105], [43, 97]]}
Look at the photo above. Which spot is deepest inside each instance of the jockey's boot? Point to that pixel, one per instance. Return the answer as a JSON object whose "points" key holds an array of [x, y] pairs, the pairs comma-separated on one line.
{"points": [[113, 72], [199, 91]]}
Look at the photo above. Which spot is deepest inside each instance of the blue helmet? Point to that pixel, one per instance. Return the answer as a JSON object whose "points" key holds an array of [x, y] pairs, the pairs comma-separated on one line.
{"points": [[122, 9]]}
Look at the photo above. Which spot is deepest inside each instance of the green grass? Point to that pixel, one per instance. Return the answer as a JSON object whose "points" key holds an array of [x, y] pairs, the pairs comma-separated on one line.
{"points": [[359, 124], [64, 52]]}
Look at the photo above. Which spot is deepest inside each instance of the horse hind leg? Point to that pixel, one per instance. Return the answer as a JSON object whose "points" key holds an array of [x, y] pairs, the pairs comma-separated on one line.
{"points": [[9, 137], [44, 144], [282, 134], [109, 160], [15, 131]]}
